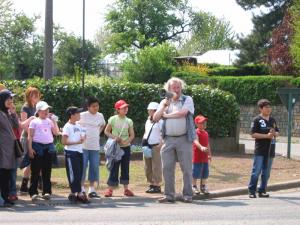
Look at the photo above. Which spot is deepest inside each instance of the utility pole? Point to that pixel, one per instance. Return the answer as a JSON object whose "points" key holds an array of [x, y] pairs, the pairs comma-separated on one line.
{"points": [[48, 41], [83, 52]]}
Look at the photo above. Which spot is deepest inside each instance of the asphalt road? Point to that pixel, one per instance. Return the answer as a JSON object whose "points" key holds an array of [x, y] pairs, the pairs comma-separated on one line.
{"points": [[282, 208]]}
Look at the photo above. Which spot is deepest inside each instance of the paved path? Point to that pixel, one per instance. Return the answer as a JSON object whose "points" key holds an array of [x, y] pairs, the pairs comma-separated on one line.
{"points": [[282, 208]]}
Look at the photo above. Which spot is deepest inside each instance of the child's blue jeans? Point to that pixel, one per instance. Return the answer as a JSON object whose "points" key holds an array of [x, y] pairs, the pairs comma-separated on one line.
{"points": [[261, 166]]}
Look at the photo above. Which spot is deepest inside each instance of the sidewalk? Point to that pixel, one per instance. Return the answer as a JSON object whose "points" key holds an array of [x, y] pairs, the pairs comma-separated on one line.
{"points": [[59, 200], [281, 146]]}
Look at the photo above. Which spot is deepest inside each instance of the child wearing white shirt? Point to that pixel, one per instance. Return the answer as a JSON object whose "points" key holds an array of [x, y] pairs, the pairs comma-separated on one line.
{"points": [[93, 122], [72, 137]]}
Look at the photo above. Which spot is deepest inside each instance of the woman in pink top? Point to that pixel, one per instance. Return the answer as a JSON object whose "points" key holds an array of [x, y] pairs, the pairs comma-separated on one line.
{"points": [[41, 148]]}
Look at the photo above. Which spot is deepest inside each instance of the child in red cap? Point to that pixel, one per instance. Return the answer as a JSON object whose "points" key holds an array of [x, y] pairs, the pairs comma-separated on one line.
{"points": [[120, 127], [201, 156]]}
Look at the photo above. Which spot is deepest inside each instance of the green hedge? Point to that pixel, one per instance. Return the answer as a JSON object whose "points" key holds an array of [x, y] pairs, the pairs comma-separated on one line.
{"points": [[191, 78], [245, 70], [247, 89], [220, 106]]}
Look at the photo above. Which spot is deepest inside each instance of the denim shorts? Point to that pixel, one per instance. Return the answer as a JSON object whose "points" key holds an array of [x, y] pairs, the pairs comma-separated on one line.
{"points": [[200, 170], [91, 160]]}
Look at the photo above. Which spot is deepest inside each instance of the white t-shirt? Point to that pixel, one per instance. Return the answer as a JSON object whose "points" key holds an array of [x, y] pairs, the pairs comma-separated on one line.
{"points": [[155, 136], [92, 123], [74, 132]]}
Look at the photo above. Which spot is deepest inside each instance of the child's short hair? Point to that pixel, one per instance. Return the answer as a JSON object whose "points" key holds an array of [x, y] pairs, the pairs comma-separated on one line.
{"points": [[263, 102], [91, 100]]}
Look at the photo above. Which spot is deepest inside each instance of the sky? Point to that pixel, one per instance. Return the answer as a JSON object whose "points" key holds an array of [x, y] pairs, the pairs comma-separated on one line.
{"points": [[68, 13]]}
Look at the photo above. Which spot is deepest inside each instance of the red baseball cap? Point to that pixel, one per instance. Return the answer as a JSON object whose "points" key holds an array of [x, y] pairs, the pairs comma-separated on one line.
{"points": [[120, 104], [200, 119]]}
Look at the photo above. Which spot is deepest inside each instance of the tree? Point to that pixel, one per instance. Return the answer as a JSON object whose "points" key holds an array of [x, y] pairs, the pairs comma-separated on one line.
{"points": [[254, 46], [151, 64], [295, 43], [19, 45], [279, 57], [208, 32], [68, 55], [141, 23], [101, 39]]}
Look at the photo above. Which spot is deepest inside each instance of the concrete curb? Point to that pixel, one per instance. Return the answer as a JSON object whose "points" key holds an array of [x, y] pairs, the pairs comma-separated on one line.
{"points": [[244, 190], [63, 201]]}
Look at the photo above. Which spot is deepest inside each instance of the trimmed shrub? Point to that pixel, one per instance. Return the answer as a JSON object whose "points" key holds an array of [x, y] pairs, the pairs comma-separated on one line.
{"points": [[220, 106], [191, 77], [245, 70], [248, 90]]}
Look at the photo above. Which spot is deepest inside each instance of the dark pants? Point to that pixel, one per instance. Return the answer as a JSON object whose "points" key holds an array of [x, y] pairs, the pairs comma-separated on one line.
{"points": [[41, 162], [4, 183], [74, 168], [113, 179]]}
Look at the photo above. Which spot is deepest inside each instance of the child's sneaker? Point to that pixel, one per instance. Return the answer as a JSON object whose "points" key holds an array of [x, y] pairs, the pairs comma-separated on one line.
{"points": [[12, 198], [34, 197], [108, 192], [94, 195], [128, 193], [46, 196], [204, 190], [196, 190]]}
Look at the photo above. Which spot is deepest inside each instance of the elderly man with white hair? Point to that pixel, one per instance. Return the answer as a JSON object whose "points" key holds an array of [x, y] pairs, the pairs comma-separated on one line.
{"points": [[178, 135]]}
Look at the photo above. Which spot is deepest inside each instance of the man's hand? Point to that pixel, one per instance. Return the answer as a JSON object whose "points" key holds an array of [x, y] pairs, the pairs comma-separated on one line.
{"points": [[166, 102]]}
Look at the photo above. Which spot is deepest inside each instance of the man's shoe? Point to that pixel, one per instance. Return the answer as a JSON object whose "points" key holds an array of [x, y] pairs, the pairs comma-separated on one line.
{"points": [[83, 198], [72, 198], [252, 195], [165, 200], [263, 195], [187, 200], [46, 196], [93, 195], [128, 193], [196, 190]]}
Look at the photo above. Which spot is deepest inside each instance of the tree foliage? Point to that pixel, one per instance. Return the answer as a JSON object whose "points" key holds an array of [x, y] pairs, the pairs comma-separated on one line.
{"points": [[20, 47], [279, 57], [141, 23], [254, 46], [207, 33], [295, 43], [151, 65], [69, 54]]}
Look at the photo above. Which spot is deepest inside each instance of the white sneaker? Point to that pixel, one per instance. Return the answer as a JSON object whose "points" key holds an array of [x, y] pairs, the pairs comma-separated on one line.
{"points": [[34, 197], [196, 190], [204, 190], [46, 196]]}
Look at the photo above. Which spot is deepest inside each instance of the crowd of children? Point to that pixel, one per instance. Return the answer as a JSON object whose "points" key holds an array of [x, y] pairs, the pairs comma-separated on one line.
{"points": [[81, 139]]}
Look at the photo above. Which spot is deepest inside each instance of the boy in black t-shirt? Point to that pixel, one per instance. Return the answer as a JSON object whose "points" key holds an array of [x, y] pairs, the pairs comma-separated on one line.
{"points": [[264, 129]]}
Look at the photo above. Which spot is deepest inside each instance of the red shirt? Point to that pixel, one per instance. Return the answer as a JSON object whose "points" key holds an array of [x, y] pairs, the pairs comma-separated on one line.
{"points": [[198, 155]]}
